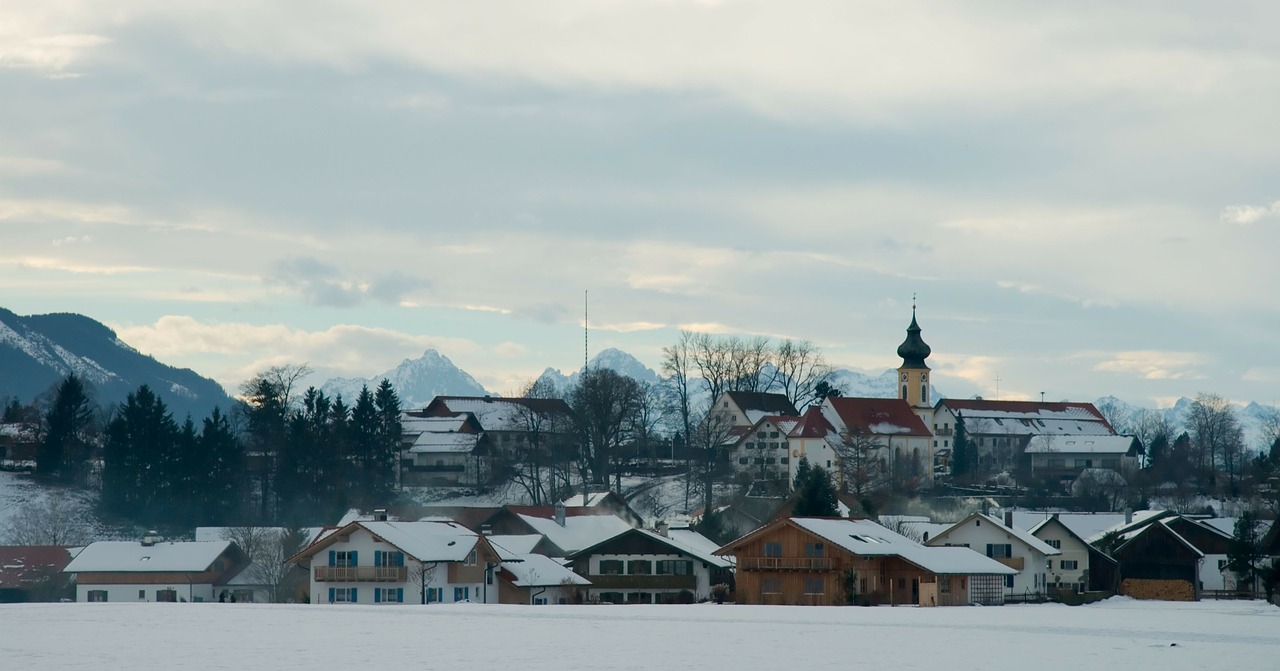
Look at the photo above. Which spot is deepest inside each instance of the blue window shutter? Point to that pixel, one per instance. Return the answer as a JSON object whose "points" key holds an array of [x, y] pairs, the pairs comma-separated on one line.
{"points": [[399, 559], [399, 595], [353, 595], [333, 559], [377, 557], [377, 596], [330, 591], [352, 559]]}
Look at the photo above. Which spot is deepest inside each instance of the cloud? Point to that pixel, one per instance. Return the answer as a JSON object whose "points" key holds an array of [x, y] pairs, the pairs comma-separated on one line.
{"points": [[46, 53], [323, 284], [1153, 364], [1245, 215]]}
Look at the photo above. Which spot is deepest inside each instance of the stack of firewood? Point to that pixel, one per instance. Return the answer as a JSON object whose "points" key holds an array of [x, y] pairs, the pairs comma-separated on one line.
{"points": [[1161, 590]]}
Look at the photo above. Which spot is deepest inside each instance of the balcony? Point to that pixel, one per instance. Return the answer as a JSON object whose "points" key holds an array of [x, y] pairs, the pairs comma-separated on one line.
{"points": [[360, 573], [785, 563], [943, 432], [1014, 563], [640, 581]]}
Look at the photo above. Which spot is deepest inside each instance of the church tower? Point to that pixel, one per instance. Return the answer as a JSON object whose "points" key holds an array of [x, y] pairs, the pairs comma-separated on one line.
{"points": [[913, 374]]}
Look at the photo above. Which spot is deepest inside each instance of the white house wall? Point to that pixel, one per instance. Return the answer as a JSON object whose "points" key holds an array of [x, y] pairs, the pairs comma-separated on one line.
{"points": [[1071, 549], [362, 543], [702, 574], [977, 533], [125, 593]]}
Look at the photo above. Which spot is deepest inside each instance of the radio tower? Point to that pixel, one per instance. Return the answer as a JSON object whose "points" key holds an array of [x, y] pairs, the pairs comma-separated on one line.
{"points": [[585, 329]]}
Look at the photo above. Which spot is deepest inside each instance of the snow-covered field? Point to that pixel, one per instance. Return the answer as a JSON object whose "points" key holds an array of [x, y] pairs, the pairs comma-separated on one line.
{"points": [[1117, 634]]}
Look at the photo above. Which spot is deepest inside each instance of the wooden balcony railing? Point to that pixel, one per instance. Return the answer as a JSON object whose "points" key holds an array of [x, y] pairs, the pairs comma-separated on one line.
{"points": [[361, 573], [784, 563], [1012, 562], [944, 432], [635, 581]]}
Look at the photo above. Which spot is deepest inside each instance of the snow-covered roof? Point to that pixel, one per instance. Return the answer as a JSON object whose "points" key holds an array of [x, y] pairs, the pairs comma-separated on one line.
{"points": [[501, 414], [426, 541], [1028, 417], [1140, 518], [586, 500], [1084, 525], [696, 545], [1094, 444], [438, 442], [1021, 534], [534, 570], [578, 532], [517, 544], [134, 557], [868, 539]]}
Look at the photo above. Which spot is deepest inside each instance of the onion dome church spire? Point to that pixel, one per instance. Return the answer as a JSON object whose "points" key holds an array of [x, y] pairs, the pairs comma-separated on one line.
{"points": [[914, 350]]}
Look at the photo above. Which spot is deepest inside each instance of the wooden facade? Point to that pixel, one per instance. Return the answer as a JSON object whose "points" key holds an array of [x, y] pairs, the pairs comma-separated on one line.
{"points": [[1158, 554]]}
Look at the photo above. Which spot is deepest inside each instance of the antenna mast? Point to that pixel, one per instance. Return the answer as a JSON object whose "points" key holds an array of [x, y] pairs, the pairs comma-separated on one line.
{"points": [[586, 329]]}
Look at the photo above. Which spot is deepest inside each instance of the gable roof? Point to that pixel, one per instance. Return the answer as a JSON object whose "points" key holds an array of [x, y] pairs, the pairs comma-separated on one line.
{"points": [[441, 541], [23, 565], [1159, 526], [577, 532], [684, 545], [762, 402], [812, 424], [1053, 520], [876, 416], [535, 570], [134, 557], [1031, 417], [869, 539], [1024, 537]]}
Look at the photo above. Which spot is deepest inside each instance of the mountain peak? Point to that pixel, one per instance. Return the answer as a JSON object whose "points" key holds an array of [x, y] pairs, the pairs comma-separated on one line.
{"points": [[416, 381]]}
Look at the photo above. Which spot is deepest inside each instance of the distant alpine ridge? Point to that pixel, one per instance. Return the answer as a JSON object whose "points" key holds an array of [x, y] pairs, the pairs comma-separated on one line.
{"points": [[416, 381], [38, 351]]}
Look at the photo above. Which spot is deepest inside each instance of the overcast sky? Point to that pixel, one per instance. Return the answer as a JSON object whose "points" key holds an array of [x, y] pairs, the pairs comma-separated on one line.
{"points": [[1085, 195]]}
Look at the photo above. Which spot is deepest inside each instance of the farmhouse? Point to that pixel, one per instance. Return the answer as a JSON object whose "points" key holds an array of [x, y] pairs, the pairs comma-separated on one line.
{"points": [[153, 570]]}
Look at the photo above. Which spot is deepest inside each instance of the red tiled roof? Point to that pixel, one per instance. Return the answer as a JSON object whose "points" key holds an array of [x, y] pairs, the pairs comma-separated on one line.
{"points": [[21, 565], [1029, 407], [812, 425], [879, 416]]}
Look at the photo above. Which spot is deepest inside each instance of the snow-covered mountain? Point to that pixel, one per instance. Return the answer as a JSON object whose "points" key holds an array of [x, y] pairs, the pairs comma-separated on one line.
{"points": [[1251, 416], [38, 351], [417, 381], [860, 385], [614, 359]]}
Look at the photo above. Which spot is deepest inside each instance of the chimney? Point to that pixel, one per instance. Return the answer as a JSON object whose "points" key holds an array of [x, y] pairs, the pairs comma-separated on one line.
{"points": [[151, 538], [380, 515], [1128, 515], [661, 528], [1008, 518], [560, 513]]}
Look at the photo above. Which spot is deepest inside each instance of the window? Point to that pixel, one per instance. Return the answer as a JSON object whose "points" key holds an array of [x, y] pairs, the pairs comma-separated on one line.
{"points": [[743, 461], [1057, 463], [1084, 463], [944, 584], [388, 595], [343, 558], [759, 460], [461, 594], [639, 597], [640, 567], [1054, 543], [784, 460], [814, 550], [769, 461], [999, 550], [435, 594], [610, 567], [142, 595], [1008, 582], [902, 583], [674, 567], [342, 595], [388, 558], [539, 600], [750, 446], [773, 434], [760, 435], [471, 558], [98, 595], [773, 549], [611, 597], [814, 586], [1069, 564], [167, 595], [771, 586]]}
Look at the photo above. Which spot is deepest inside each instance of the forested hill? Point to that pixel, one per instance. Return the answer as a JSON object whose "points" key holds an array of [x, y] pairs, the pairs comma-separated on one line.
{"points": [[38, 351]]}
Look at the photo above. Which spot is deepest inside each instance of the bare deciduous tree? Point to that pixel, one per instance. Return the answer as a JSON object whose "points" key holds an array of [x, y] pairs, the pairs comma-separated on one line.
{"points": [[52, 520], [268, 549], [801, 368]]}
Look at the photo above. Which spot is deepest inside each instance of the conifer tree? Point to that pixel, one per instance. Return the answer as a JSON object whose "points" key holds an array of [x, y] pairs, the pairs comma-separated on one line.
{"points": [[223, 484], [961, 452], [68, 424], [387, 454], [817, 497]]}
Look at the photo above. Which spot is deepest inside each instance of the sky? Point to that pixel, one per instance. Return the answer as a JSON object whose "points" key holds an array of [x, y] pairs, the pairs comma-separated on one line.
{"points": [[1084, 197]]}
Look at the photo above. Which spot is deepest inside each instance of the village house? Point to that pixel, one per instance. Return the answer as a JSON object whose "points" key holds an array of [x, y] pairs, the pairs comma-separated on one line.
{"points": [[999, 431], [1079, 566], [443, 450], [639, 566], [154, 570], [1139, 558], [34, 573], [1065, 457], [821, 561], [539, 580], [386, 562], [1013, 547], [885, 432]]}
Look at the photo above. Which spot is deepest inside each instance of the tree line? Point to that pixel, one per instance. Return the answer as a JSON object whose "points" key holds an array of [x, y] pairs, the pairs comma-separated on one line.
{"points": [[275, 458]]}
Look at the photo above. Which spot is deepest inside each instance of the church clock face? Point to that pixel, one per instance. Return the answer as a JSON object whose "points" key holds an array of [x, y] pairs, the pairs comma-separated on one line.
{"points": [[904, 377]]}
